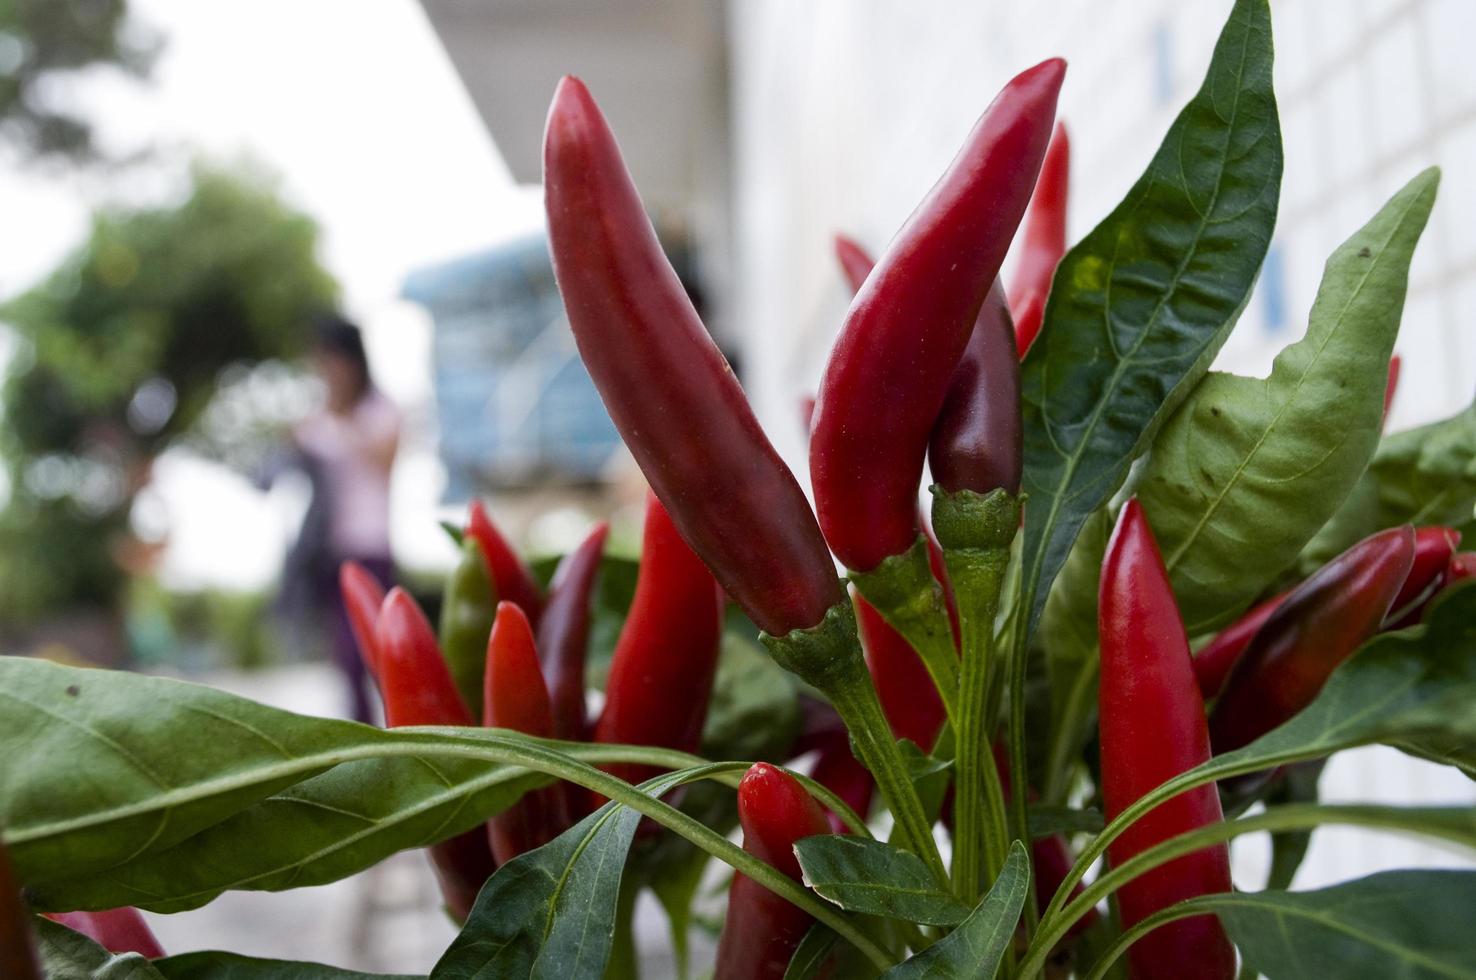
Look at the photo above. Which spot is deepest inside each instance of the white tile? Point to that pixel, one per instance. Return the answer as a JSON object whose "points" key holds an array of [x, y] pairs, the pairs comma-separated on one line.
{"points": [[1450, 25], [1393, 83]]}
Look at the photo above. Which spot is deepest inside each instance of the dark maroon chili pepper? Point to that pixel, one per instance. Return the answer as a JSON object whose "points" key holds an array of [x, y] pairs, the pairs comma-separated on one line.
{"points": [[839, 771], [17, 946], [669, 390], [1321, 623], [418, 690], [1043, 236], [662, 670], [510, 576], [1153, 729], [1213, 663], [907, 328], [515, 697], [854, 260], [362, 598], [978, 439], [762, 930], [563, 633], [1433, 549], [117, 930]]}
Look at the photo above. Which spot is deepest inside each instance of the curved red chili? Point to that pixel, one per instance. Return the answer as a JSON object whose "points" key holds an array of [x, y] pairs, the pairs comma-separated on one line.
{"points": [[509, 574], [978, 439], [116, 930], [1213, 663], [669, 390], [1043, 238], [662, 670], [855, 261], [563, 633], [418, 690], [839, 771], [516, 698], [1321, 623], [762, 930], [907, 328], [362, 597], [1152, 729], [1433, 549]]}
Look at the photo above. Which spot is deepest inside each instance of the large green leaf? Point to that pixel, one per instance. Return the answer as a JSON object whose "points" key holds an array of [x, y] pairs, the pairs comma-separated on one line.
{"points": [[550, 913], [1139, 308], [876, 878], [68, 955], [1246, 472], [232, 966], [973, 950], [1406, 924], [1420, 476]]}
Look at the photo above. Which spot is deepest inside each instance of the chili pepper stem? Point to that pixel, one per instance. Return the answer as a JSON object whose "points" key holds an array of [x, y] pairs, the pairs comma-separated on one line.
{"points": [[904, 591], [828, 657], [975, 531]]}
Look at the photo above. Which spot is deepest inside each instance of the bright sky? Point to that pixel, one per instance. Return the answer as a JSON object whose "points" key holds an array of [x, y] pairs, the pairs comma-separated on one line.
{"points": [[355, 105]]}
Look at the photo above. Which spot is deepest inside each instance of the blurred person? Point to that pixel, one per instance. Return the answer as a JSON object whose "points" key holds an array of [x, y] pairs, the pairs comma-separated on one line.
{"points": [[347, 447]]}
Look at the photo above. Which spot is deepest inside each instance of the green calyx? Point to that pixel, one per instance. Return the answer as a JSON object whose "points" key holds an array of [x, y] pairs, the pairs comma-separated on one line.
{"points": [[965, 520], [823, 655]]}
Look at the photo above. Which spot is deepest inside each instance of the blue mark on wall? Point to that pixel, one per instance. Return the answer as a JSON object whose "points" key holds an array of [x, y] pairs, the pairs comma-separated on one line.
{"points": [[1273, 290], [1163, 63]]}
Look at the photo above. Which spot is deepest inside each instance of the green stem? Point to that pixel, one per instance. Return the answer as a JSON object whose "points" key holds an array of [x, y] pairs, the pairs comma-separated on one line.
{"points": [[904, 591], [828, 656], [1058, 921]]}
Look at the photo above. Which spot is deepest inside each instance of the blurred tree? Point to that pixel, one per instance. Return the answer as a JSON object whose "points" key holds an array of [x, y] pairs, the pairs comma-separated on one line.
{"points": [[43, 41], [121, 349]]}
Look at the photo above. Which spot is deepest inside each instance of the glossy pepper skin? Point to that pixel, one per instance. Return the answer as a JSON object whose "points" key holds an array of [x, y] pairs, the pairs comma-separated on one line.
{"points": [[662, 670], [762, 930], [669, 390], [468, 605], [1321, 623], [418, 690], [563, 634], [516, 698], [362, 597], [855, 262], [1433, 549], [1213, 663], [1043, 238], [510, 577], [1152, 729], [978, 439], [116, 930], [907, 328], [18, 957]]}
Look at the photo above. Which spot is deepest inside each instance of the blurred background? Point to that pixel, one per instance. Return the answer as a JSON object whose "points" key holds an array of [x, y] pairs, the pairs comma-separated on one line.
{"points": [[188, 185]]}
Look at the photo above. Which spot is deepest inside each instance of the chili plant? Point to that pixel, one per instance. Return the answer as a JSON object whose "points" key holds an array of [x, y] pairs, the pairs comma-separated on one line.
{"points": [[1103, 508]]}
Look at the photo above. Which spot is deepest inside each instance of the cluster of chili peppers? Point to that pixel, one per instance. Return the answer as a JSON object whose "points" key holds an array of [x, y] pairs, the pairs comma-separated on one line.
{"points": [[530, 675]]}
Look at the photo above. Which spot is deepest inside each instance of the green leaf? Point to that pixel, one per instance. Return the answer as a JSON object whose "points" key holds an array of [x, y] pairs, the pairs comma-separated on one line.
{"points": [[1139, 308], [973, 951], [1419, 476], [870, 876], [812, 953], [232, 966], [550, 912], [68, 955], [1406, 924], [1297, 785], [1248, 469], [676, 889], [1048, 821], [468, 607], [454, 532], [755, 711]]}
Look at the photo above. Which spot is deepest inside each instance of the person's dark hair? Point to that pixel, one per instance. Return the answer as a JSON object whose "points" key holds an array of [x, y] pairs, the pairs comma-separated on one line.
{"points": [[336, 336]]}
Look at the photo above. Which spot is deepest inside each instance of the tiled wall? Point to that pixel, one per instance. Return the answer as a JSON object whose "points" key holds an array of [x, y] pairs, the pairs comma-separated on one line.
{"points": [[845, 111]]}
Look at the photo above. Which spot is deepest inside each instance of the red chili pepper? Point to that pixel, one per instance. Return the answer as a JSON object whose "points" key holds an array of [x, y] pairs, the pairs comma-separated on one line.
{"points": [[117, 930], [978, 439], [662, 669], [418, 690], [516, 698], [1392, 386], [1462, 566], [843, 774], [563, 634], [908, 697], [854, 260], [362, 597], [509, 574], [1043, 241], [1028, 315], [1321, 623], [762, 930], [1433, 549], [17, 946], [1213, 663], [1152, 729], [669, 390], [907, 328]]}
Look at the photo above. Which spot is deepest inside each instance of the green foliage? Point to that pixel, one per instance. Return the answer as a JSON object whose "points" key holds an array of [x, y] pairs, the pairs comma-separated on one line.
{"points": [[123, 347], [1141, 306], [875, 878]]}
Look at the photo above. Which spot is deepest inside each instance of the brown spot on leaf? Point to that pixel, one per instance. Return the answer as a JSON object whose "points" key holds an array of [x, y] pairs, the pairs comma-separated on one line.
{"points": [[73, 690], [1364, 253]]}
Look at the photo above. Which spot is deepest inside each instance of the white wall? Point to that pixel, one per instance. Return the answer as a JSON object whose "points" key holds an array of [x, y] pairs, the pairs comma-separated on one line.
{"points": [[845, 111]]}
